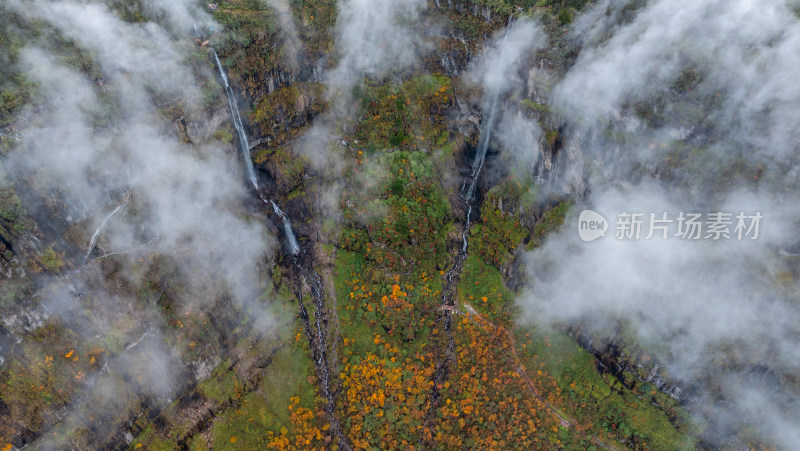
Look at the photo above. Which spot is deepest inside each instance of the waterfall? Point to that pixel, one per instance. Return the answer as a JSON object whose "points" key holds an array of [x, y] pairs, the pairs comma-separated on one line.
{"points": [[244, 145], [294, 248], [483, 147], [485, 136], [468, 191], [221, 70], [103, 225]]}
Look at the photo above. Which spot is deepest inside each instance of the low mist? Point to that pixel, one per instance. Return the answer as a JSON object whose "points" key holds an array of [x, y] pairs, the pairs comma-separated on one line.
{"points": [[686, 107], [117, 142]]}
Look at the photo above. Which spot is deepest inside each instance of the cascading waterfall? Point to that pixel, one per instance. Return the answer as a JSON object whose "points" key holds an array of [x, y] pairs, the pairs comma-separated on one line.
{"points": [[485, 137], [294, 247], [318, 337], [309, 277], [237, 123], [468, 191], [483, 147], [448, 304]]}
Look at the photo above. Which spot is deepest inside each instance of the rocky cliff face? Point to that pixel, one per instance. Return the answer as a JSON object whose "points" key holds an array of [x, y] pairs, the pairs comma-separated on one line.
{"points": [[111, 347]]}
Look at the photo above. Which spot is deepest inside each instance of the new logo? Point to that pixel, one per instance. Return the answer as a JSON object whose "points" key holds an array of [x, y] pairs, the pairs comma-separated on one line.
{"points": [[591, 225]]}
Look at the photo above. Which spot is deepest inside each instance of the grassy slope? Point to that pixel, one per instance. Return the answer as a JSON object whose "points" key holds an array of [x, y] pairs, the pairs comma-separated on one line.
{"points": [[599, 403]]}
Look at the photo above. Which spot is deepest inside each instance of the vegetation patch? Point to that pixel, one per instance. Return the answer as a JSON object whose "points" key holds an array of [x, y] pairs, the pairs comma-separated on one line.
{"points": [[280, 411], [51, 260], [481, 286], [246, 42], [408, 115], [283, 113], [599, 403], [501, 230], [550, 221]]}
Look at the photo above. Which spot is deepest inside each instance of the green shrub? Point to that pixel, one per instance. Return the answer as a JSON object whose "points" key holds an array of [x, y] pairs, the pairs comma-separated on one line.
{"points": [[51, 260], [565, 16]]}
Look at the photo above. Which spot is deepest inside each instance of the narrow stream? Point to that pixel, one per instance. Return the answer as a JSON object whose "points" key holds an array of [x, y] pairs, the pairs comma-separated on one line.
{"points": [[445, 358], [318, 341]]}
